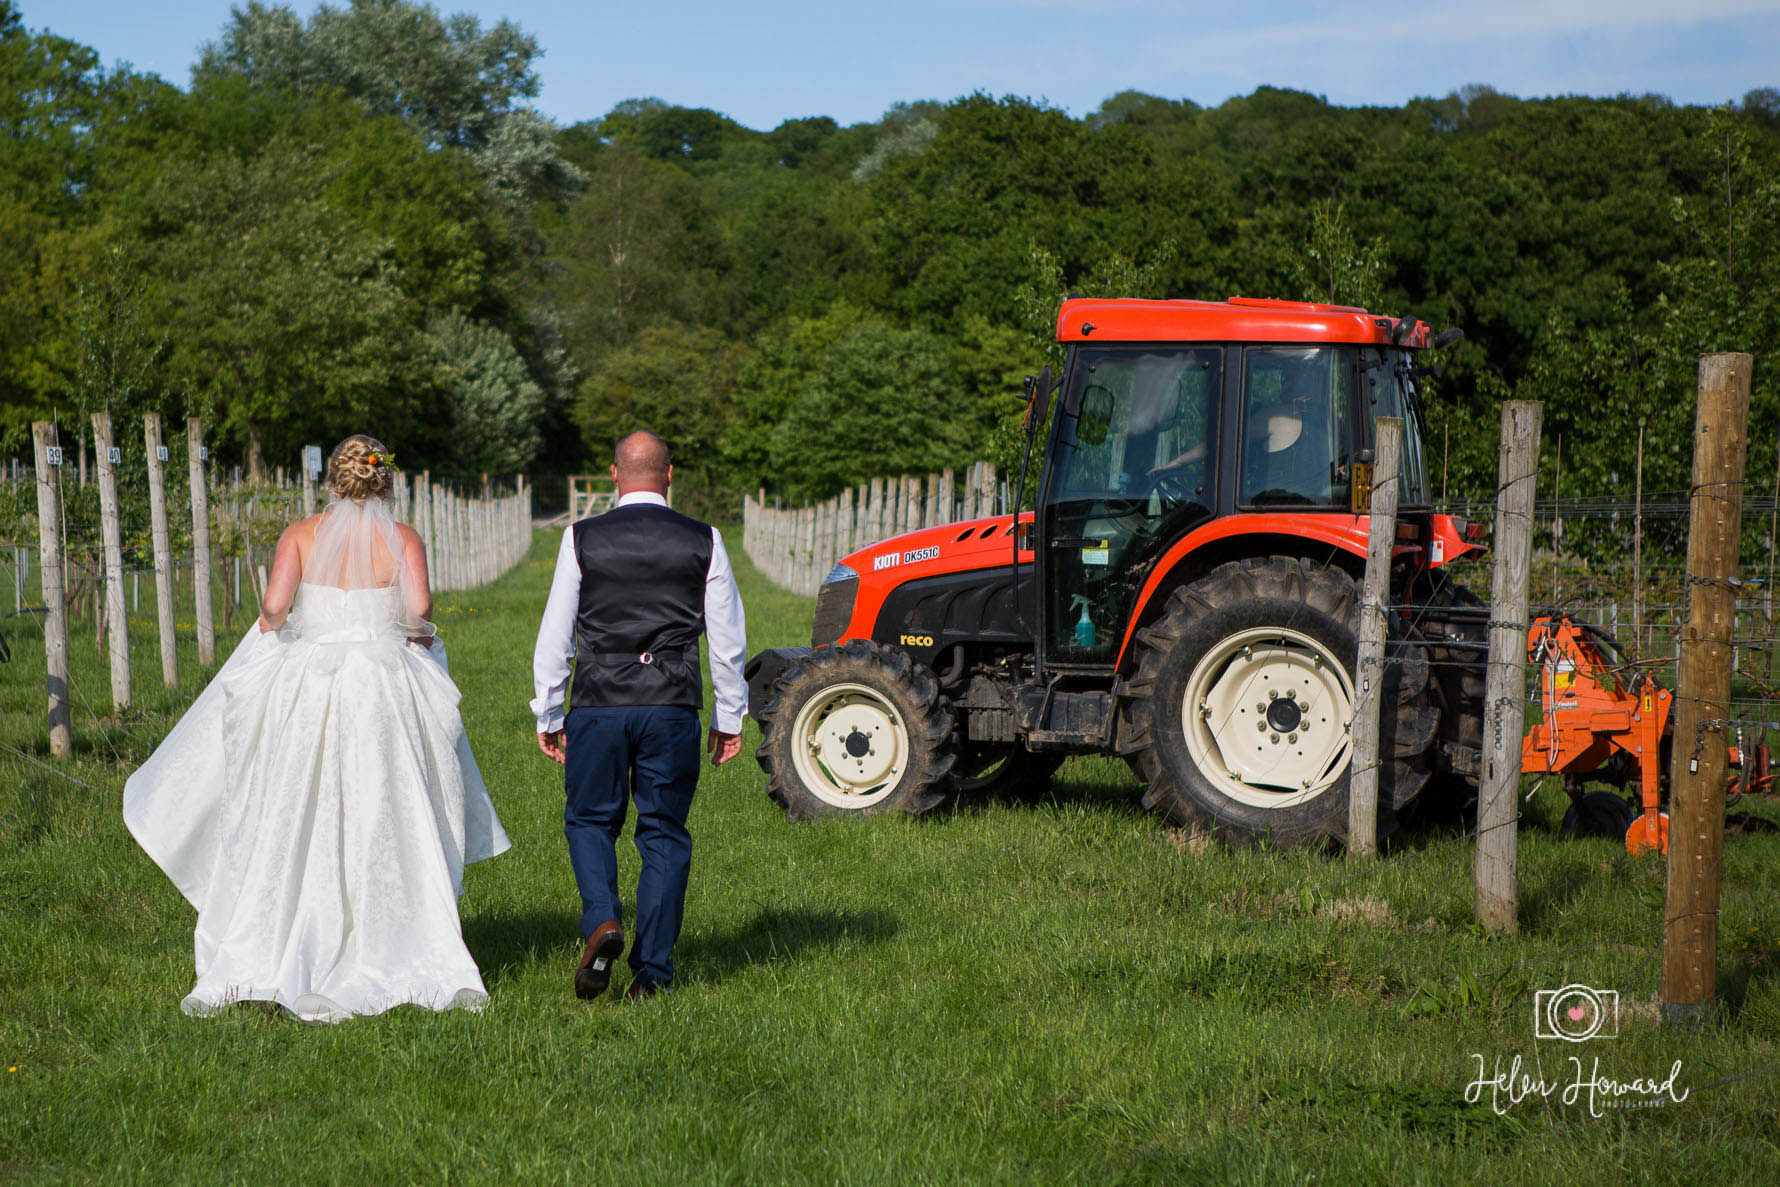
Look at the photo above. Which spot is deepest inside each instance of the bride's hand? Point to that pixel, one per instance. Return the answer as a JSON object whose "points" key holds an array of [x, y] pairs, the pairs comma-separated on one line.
{"points": [[423, 640]]}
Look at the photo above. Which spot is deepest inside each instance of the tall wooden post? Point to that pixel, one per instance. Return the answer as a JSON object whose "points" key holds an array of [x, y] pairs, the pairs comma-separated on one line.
{"points": [[55, 610], [203, 616], [117, 624], [163, 547], [1702, 695], [1504, 706], [1773, 525], [1375, 596], [1638, 552]]}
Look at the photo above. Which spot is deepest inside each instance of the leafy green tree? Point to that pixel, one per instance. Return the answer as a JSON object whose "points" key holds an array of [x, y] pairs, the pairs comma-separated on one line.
{"points": [[493, 408], [631, 250], [463, 85], [52, 94], [954, 223], [784, 358], [681, 382], [881, 401], [1334, 267], [284, 318]]}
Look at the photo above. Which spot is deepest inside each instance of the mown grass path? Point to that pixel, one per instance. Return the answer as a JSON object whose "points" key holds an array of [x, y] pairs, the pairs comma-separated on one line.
{"points": [[1063, 991]]}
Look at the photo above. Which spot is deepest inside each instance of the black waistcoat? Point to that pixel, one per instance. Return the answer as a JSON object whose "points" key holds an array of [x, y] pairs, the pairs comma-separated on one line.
{"points": [[643, 570]]}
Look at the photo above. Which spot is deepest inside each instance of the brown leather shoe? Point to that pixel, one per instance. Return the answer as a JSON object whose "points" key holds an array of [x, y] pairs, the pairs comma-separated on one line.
{"points": [[594, 972], [641, 990]]}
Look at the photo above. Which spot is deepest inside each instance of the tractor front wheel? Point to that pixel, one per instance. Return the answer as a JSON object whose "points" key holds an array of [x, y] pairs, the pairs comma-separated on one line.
{"points": [[1243, 706], [855, 729]]}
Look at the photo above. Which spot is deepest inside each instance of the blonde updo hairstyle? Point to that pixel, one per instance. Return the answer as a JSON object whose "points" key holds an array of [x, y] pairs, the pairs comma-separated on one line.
{"points": [[357, 469]]}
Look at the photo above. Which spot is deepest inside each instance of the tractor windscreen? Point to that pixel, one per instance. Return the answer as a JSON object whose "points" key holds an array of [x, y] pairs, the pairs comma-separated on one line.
{"points": [[1297, 426], [1132, 468]]}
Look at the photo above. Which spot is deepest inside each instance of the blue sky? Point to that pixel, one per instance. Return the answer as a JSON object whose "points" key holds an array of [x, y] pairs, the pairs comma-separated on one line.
{"points": [[765, 62]]}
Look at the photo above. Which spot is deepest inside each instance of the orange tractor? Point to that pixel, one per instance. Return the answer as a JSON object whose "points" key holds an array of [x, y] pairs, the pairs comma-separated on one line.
{"points": [[1595, 722]]}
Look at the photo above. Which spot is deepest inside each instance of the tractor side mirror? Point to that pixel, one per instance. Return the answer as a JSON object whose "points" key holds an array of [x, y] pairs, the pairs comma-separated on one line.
{"points": [[1094, 420], [1038, 400], [1446, 338]]}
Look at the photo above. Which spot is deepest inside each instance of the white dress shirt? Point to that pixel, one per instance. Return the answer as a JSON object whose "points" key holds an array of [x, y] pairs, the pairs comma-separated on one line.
{"points": [[725, 631]]}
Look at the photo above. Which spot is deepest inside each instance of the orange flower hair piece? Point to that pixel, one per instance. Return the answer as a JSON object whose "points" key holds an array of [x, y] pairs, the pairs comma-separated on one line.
{"points": [[383, 459]]}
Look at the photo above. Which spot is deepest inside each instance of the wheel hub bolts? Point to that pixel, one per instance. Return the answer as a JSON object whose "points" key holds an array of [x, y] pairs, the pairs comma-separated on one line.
{"points": [[1284, 715]]}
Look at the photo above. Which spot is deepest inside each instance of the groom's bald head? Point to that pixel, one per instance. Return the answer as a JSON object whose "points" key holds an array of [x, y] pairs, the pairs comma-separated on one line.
{"points": [[641, 462]]}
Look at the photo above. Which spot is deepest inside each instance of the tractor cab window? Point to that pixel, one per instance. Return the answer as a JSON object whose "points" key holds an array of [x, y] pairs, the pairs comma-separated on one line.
{"points": [[1297, 427], [1132, 470], [1391, 391]]}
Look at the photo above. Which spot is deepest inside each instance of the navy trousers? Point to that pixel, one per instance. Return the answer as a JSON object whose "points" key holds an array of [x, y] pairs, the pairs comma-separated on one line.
{"points": [[648, 753]]}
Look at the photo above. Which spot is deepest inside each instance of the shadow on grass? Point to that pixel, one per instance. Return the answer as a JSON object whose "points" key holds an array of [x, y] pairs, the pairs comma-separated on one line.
{"points": [[504, 943], [776, 935], [501, 943]]}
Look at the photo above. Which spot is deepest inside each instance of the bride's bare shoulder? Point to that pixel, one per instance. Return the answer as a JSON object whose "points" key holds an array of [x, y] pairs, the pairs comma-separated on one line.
{"points": [[302, 531], [410, 538]]}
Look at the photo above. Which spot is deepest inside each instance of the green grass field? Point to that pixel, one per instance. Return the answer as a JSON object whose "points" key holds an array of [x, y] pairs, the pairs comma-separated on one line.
{"points": [[1058, 992]]}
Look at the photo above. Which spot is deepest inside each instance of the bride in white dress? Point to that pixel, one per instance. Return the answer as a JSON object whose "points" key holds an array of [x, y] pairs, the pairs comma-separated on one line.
{"points": [[318, 802]]}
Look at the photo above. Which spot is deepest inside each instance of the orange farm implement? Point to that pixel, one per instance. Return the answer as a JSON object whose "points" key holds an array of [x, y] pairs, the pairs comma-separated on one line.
{"points": [[1604, 720]]}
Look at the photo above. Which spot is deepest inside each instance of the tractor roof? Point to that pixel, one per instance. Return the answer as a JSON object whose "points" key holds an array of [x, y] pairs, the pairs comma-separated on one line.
{"points": [[1240, 319]]}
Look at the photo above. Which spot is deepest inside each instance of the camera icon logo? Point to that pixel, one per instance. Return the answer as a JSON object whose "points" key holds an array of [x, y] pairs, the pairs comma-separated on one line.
{"points": [[1575, 1013]]}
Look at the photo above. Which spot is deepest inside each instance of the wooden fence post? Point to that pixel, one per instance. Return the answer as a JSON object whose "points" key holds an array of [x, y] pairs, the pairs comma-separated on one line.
{"points": [[163, 547], [1498, 792], [117, 623], [203, 615], [1638, 553], [1375, 596], [1702, 695], [49, 568]]}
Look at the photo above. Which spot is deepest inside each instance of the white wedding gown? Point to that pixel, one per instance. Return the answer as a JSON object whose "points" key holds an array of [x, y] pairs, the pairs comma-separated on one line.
{"points": [[317, 804]]}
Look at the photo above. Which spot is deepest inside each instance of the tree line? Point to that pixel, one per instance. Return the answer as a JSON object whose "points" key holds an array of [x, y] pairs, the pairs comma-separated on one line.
{"points": [[357, 219]]}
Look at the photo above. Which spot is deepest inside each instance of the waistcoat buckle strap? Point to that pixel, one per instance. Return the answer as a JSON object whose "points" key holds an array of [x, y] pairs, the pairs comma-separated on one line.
{"points": [[645, 658]]}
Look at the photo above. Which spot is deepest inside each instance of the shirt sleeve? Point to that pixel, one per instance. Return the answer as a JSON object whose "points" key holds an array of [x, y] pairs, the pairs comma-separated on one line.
{"points": [[556, 638], [727, 632]]}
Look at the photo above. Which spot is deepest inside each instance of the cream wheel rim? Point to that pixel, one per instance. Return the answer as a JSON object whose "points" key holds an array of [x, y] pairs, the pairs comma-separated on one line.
{"points": [[850, 746], [1267, 715]]}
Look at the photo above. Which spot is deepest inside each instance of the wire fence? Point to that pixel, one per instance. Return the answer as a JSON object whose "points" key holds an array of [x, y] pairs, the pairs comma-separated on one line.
{"points": [[204, 554]]}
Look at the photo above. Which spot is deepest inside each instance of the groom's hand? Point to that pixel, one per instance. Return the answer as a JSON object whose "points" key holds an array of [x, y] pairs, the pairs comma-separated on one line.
{"points": [[723, 747], [552, 746]]}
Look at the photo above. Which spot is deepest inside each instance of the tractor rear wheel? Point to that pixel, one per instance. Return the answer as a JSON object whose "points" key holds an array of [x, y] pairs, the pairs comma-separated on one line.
{"points": [[1243, 702], [855, 729]]}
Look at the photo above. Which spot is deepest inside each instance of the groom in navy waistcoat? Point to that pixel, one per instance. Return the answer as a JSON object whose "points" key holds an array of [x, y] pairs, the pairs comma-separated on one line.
{"points": [[633, 591]]}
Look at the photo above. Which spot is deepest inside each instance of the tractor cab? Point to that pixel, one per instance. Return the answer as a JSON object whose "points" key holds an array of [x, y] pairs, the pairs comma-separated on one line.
{"points": [[1154, 440]]}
